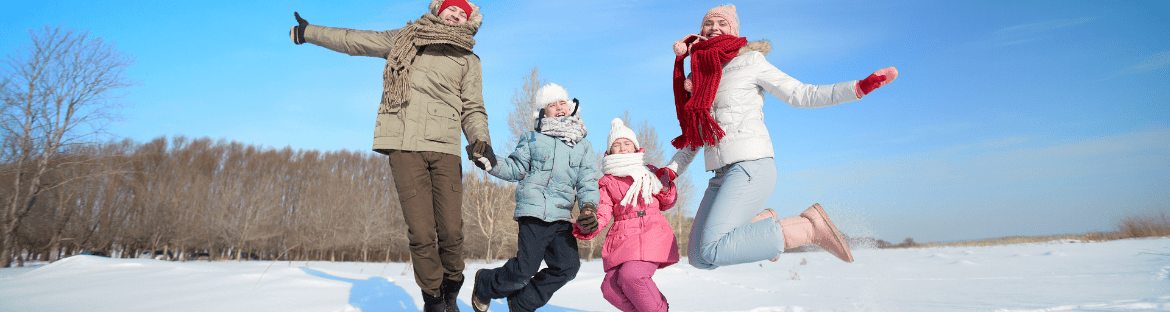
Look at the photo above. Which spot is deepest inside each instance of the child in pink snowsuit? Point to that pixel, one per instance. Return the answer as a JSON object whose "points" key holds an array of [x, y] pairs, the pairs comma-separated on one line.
{"points": [[640, 240]]}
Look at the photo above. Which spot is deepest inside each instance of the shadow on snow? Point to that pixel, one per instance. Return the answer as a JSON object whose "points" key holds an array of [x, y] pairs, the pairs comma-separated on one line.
{"points": [[380, 294]]}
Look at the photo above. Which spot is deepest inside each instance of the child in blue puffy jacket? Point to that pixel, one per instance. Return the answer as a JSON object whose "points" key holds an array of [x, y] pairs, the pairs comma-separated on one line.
{"points": [[554, 166]]}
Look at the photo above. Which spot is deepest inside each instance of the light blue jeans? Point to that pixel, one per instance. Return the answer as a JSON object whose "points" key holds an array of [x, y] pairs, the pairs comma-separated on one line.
{"points": [[723, 233]]}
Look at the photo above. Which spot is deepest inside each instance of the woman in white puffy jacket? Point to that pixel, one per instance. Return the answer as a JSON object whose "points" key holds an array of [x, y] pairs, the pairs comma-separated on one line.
{"points": [[720, 110]]}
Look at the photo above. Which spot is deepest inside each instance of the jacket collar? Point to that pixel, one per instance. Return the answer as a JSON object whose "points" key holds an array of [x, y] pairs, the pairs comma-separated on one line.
{"points": [[740, 61]]}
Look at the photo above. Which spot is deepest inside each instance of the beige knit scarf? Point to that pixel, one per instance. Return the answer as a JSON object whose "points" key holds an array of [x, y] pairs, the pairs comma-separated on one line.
{"points": [[428, 29]]}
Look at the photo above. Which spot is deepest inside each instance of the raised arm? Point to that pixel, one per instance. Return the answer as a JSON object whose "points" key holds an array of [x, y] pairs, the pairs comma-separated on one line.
{"points": [[798, 94], [344, 40]]}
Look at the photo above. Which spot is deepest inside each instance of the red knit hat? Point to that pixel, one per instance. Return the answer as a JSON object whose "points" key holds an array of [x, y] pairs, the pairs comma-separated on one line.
{"points": [[462, 4]]}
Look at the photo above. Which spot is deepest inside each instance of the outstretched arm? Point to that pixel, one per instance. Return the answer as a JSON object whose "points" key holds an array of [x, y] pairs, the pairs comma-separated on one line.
{"points": [[681, 159], [514, 167], [798, 94], [344, 40]]}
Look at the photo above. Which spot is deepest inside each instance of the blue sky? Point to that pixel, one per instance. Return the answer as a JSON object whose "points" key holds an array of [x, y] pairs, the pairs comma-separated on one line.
{"points": [[1008, 118]]}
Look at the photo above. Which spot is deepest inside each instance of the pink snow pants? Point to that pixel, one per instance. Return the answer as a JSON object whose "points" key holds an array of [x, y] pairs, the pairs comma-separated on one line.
{"points": [[629, 287]]}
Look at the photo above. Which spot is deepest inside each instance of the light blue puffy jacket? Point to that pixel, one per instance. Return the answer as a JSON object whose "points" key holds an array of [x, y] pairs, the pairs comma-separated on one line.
{"points": [[551, 175]]}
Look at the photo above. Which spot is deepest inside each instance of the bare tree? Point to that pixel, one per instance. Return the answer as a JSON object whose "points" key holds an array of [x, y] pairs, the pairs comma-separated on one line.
{"points": [[488, 205], [58, 93], [520, 119]]}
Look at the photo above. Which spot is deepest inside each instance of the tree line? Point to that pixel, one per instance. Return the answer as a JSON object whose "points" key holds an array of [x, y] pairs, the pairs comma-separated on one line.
{"points": [[228, 200]]}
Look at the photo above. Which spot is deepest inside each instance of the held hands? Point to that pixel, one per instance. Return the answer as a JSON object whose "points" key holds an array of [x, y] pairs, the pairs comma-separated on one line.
{"points": [[298, 32], [877, 80], [587, 219], [666, 175], [481, 154]]}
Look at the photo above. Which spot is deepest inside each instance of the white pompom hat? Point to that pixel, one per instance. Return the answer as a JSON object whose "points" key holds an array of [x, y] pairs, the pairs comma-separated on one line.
{"points": [[618, 130]]}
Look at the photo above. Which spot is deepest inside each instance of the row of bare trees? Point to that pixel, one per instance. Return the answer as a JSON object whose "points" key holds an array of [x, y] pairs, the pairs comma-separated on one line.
{"points": [[222, 199], [229, 200]]}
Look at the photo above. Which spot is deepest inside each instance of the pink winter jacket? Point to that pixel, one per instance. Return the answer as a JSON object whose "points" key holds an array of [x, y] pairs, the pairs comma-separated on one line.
{"points": [[646, 238]]}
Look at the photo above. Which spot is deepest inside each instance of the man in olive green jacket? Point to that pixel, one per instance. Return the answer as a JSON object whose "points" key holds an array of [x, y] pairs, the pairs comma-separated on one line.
{"points": [[432, 89]]}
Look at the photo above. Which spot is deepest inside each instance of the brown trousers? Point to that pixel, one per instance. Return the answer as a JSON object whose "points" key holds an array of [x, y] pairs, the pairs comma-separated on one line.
{"points": [[430, 188]]}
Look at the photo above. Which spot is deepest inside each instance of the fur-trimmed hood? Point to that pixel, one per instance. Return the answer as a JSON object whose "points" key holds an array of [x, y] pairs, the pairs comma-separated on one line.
{"points": [[762, 46], [476, 17]]}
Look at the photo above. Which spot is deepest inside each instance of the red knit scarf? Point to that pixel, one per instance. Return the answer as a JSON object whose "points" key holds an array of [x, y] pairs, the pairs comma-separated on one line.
{"points": [[694, 109]]}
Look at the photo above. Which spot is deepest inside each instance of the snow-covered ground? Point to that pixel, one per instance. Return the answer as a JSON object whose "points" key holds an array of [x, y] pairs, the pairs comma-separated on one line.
{"points": [[1123, 275]]}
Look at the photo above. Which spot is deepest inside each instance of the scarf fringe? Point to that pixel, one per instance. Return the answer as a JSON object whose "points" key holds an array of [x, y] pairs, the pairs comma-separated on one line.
{"points": [[428, 29], [645, 184], [694, 110]]}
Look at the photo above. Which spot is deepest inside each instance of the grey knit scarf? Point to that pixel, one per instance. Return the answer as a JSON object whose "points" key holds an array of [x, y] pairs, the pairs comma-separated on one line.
{"points": [[428, 29], [570, 129]]}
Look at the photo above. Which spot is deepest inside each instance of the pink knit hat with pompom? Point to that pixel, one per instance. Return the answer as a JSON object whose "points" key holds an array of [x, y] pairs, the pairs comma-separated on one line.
{"points": [[727, 12]]}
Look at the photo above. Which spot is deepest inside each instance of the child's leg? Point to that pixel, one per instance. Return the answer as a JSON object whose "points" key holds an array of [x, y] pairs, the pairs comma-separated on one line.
{"points": [[637, 283], [563, 262], [723, 233], [531, 238], [611, 289]]}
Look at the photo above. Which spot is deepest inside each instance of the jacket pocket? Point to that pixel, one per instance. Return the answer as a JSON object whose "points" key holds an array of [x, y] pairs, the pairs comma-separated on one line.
{"points": [[542, 155], [575, 159], [442, 124], [458, 60], [388, 124]]}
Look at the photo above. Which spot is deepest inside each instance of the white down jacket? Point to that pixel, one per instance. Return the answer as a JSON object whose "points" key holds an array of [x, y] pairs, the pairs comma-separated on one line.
{"points": [[739, 107]]}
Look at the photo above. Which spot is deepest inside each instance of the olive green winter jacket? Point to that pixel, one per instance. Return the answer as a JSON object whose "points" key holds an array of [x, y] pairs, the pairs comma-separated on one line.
{"points": [[446, 92]]}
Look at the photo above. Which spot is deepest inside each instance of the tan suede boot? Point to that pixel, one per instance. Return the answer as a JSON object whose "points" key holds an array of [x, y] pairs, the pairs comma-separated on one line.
{"points": [[814, 227]]}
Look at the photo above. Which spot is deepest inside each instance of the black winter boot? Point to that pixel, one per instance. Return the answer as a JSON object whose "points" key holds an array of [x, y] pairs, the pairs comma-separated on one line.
{"points": [[449, 291], [433, 304]]}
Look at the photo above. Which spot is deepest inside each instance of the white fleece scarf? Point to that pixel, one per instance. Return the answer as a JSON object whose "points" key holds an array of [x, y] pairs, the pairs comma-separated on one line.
{"points": [[633, 165]]}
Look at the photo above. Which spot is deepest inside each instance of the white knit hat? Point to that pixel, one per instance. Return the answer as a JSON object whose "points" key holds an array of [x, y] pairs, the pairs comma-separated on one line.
{"points": [[619, 130], [550, 93]]}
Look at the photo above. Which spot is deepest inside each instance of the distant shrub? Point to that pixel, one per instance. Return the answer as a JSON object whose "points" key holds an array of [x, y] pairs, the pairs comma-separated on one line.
{"points": [[1148, 225]]}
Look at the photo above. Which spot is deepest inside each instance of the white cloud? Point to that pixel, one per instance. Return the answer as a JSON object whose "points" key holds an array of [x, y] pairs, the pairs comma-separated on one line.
{"points": [[1041, 27], [1022, 34], [1154, 62]]}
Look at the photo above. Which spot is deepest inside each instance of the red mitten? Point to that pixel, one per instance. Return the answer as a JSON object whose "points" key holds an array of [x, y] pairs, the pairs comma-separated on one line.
{"points": [[666, 175], [877, 80]]}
